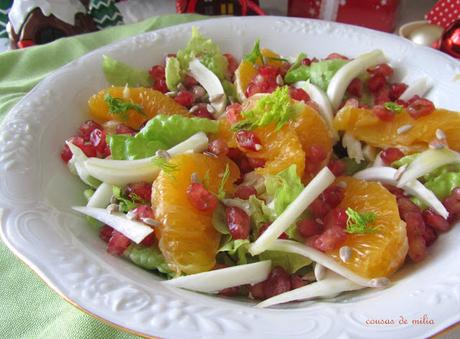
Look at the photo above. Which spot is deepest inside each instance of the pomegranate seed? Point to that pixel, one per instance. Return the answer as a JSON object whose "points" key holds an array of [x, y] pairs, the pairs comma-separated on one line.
{"points": [[298, 94], [430, 236], [256, 163], [382, 96], [435, 221], [277, 282], [86, 128], [123, 129], [87, 148], [264, 227], [118, 243], [353, 102], [185, 98], [297, 282], [396, 90], [316, 153], [257, 291], [376, 82], [391, 155], [415, 225], [105, 232], [382, 69], [330, 239], [268, 71], [333, 56], [201, 198], [189, 81], [232, 64], [336, 218], [97, 139], [144, 211], [264, 81], [230, 291], [238, 222], [233, 113], [309, 227], [420, 107], [406, 205], [398, 192], [240, 159], [319, 208], [244, 192], [337, 167], [141, 189], [417, 248], [149, 240], [355, 87], [248, 140], [66, 154], [202, 112], [452, 202], [401, 103], [333, 195], [382, 113], [157, 73], [218, 147], [306, 62]]}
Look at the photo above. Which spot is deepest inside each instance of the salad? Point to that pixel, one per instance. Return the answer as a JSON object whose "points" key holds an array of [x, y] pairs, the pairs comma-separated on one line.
{"points": [[275, 178]]}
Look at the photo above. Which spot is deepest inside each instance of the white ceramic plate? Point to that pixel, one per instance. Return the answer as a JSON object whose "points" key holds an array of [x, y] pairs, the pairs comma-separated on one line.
{"points": [[36, 192]]}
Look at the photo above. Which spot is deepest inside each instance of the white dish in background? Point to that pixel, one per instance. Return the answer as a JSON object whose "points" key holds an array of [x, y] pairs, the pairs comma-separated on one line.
{"points": [[36, 192]]}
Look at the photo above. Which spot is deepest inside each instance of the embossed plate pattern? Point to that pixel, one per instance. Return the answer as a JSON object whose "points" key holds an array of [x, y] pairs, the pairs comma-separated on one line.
{"points": [[36, 192]]}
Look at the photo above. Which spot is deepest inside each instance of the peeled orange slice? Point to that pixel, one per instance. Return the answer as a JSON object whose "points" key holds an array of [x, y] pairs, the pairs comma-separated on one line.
{"points": [[152, 102], [376, 254], [365, 126], [186, 236]]}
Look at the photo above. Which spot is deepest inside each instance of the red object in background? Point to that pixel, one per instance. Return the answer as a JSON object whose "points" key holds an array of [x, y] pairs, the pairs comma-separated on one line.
{"points": [[444, 12], [220, 7], [376, 14], [450, 40]]}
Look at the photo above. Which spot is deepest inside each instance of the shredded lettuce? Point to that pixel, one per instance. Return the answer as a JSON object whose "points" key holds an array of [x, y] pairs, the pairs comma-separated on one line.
{"points": [[237, 249], [206, 51], [291, 262], [260, 214], [230, 90], [255, 55], [322, 72], [299, 73], [125, 204], [276, 108], [161, 132], [118, 73], [172, 73], [149, 258], [406, 160], [443, 184], [219, 220]]}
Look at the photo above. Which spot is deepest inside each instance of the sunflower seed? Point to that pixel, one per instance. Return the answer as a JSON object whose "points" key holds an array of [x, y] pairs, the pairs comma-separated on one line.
{"points": [[379, 282], [171, 94], [404, 128], [436, 144], [345, 253], [113, 208], [279, 80], [163, 154], [180, 87], [258, 147], [150, 222], [320, 272], [210, 108], [210, 154], [194, 178], [440, 135], [319, 221], [198, 91], [342, 184], [194, 108]]}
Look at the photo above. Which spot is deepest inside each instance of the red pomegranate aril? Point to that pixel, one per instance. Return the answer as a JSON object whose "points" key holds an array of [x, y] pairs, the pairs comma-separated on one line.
{"points": [[415, 225], [396, 90], [240, 159], [352, 102], [238, 222], [185, 98], [452, 202], [149, 240], [330, 239], [144, 211], [218, 147], [123, 129], [337, 167], [277, 282], [202, 112], [376, 82], [268, 71], [97, 139], [248, 140], [87, 148], [256, 163], [334, 56], [309, 227], [435, 221], [232, 64], [257, 291], [86, 128], [230, 291], [355, 87], [420, 107], [66, 154], [336, 218], [382, 96], [105, 232], [157, 73], [417, 248], [189, 81], [391, 155], [141, 189], [298, 94], [398, 192], [316, 153], [233, 113], [319, 208], [118, 243], [333, 195], [406, 205], [244, 192], [382, 69], [382, 113], [297, 282], [430, 236], [306, 62], [201, 198]]}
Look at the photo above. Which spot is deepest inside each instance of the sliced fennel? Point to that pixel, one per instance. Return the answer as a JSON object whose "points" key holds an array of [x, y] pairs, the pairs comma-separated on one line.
{"points": [[319, 183], [134, 230], [332, 285], [414, 187], [211, 84], [418, 87], [322, 100], [217, 280], [354, 147], [320, 258], [121, 172], [77, 166], [426, 162], [340, 81], [101, 196]]}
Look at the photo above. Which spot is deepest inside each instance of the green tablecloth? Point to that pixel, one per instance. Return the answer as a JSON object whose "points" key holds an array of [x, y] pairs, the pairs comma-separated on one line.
{"points": [[28, 308]]}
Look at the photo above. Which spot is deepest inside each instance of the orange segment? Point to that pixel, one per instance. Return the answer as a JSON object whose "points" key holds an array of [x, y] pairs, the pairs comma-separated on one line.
{"points": [[153, 102], [187, 238], [376, 254], [365, 126]]}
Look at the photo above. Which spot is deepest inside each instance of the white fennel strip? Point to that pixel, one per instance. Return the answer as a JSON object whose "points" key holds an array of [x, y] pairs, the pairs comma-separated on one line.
{"points": [[418, 87], [101, 196]]}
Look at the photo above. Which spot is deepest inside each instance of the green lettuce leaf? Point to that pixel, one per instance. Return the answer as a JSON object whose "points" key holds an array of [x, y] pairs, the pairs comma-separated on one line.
{"points": [[274, 108], [300, 73], [260, 214], [206, 51], [237, 249], [406, 160], [230, 90], [219, 220], [118, 73], [291, 262], [284, 187], [125, 204], [172, 73], [160, 132], [255, 54], [149, 258], [443, 183], [322, 72]]}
